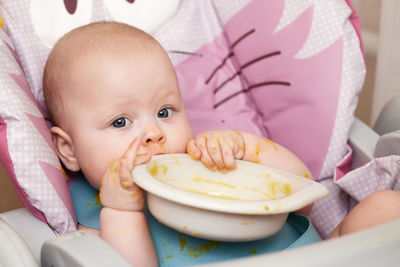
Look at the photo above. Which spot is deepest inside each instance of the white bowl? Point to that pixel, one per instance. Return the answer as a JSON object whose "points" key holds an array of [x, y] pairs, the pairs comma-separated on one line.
{"points": [[249, 203]]}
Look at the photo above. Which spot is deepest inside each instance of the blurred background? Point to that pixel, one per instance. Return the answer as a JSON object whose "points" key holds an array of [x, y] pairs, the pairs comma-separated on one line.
{"points": [[369, 14], [379, 86]]}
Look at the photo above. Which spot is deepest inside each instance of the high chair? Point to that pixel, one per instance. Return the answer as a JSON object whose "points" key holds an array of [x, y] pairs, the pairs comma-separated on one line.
{"points": [[290, 70]]}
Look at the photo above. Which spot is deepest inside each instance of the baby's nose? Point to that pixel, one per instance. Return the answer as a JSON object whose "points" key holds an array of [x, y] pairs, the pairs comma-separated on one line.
{"points": [[153, 135]]}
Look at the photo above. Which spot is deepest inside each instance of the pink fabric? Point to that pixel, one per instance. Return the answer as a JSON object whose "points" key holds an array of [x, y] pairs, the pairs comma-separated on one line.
{"points": [[58, 180], [295, 105], [354, 19], [8, 165], [378, 174], [328, 212], [20, 80], [198, 96], [344, 166], [14, 54], [42, 128], [18, 164], [256, 111]]}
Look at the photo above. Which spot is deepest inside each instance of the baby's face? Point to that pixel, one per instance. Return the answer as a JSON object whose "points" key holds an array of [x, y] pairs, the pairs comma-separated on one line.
{"points": [[114, 99]]}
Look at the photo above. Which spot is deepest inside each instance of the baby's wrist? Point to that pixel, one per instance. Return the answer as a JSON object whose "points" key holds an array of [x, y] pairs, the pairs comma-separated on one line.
{"points": [[110, 210], [125, 200], [110, 218]]}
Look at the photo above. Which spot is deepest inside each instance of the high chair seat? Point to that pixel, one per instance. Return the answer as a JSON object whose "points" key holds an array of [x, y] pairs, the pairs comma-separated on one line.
{"points": [[377, 246], [289, 70], [21, 223], [248, 65]]}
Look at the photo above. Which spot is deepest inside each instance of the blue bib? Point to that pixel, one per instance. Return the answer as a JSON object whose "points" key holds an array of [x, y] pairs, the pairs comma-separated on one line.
{"points": [[177, 249]]}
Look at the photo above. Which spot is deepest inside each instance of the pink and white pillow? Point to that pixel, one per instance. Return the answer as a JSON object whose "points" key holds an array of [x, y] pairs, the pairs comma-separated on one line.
{"points": [[287, 69]]}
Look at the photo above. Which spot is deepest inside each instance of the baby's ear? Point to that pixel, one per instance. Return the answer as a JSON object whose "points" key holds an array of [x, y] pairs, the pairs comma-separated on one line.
{"points": [[64, 146]]}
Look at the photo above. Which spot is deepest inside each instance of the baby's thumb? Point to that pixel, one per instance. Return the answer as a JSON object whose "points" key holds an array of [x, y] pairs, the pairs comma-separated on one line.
{"points": [[125, 174]]}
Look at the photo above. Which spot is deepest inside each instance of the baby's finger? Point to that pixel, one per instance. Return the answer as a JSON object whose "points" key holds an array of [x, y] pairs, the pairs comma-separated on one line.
{"points": [[130, 153], [239, 148], [226, 146], [127, 163], [125, 174], [192, 150], [201, 144], [214, 151], [112, 168]]}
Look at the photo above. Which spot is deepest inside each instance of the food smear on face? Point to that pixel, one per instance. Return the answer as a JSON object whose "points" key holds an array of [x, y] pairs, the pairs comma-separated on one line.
{"points": [[249, 184]]}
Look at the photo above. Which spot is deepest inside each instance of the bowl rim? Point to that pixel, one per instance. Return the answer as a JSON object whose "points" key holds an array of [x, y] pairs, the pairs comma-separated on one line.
{"points": [[287, 204]]}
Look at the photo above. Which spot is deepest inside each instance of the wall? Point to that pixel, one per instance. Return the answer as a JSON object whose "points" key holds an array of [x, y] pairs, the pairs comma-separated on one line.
{"points": [[380, 22], [8, 198], [369, 14]]}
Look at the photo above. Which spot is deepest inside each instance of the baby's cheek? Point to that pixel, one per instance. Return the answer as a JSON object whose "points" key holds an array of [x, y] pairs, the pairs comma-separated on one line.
{"points": [[178, 148], [178, 145], [94, 173]]}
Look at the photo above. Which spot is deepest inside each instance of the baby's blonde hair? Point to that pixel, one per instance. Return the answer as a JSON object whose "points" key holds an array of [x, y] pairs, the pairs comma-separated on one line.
{"points": [[92, 39]]}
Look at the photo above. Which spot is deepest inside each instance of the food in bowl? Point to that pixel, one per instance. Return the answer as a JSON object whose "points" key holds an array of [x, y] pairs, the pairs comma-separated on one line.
{"points": [[254, 185]]}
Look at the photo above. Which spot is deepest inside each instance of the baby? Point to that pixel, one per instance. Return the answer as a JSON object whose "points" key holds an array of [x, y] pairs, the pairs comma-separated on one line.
{"points": [[112, 93]]}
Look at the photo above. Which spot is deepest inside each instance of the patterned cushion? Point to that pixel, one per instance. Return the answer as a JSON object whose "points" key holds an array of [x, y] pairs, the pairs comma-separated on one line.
{"points": [[287, 69]]}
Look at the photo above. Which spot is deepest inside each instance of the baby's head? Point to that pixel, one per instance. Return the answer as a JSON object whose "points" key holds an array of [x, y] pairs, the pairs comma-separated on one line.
{"points": [[81, 50], [105, 84]]}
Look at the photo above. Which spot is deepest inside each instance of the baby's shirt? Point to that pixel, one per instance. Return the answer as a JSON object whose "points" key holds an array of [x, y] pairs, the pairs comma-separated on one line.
{"points": [[177, 249]]}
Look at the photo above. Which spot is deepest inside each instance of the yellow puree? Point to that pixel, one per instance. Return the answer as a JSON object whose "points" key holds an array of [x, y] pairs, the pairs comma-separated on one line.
{"points": [[222, 189]]}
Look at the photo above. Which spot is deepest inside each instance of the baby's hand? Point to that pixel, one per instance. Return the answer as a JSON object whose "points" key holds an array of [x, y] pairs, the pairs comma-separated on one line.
{"points": [[217, 149], [118, 189]]}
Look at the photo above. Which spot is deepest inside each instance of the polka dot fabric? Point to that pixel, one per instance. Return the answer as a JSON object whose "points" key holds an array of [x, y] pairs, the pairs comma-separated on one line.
{"points": [[345, 192], [379, 174], [27, 151]]}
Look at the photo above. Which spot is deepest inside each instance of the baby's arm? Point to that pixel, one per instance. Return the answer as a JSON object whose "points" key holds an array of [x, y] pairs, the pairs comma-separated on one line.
{"points": [[123, 225], [264, 151]]}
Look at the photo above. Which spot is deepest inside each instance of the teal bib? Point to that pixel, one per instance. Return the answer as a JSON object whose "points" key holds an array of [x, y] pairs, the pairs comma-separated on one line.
{"points": [[177, 249]]}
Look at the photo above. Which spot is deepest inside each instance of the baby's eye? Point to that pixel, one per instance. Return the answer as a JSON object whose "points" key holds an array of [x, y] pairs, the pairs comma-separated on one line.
{"points": [[121, 122], [165, 113]]}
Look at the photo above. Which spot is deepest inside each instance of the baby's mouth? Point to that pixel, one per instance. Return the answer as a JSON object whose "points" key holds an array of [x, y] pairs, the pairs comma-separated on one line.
{"points": [[157, 149]]}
